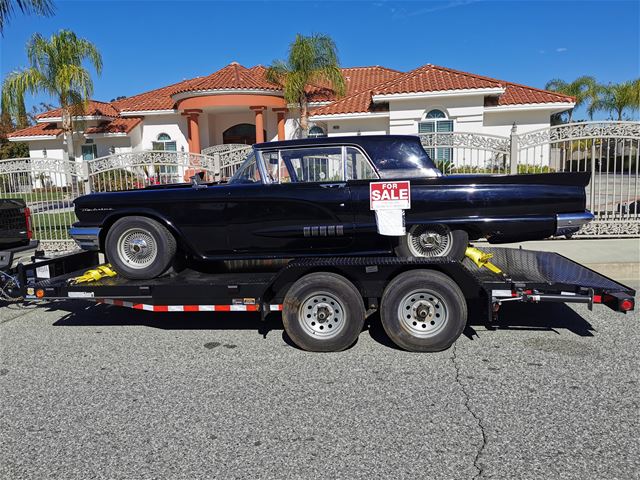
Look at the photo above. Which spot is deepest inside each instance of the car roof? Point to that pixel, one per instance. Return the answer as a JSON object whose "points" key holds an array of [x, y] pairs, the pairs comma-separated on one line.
{"points": [[360, 140]]}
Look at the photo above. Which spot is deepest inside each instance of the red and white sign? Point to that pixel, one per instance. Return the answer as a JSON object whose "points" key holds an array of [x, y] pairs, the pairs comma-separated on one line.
{"points": [[390, 195]]}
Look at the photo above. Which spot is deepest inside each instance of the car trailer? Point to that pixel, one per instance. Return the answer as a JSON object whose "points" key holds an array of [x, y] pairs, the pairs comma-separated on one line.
{"points": [[423, 302]]}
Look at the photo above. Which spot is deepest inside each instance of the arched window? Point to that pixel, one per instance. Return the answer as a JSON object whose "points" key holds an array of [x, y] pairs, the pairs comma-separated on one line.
{"points": [[164, 142], [316, 131], [435, 121]]}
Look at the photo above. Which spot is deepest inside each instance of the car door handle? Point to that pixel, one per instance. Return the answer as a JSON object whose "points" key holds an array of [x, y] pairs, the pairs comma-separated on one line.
{"points": [[332, 185]]}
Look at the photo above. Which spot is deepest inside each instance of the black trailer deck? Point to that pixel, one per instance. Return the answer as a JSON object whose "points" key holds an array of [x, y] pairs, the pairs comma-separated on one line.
{"points": [[529, 276]]}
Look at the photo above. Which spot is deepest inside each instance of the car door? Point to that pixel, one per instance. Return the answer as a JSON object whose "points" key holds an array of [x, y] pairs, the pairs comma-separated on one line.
{"points": [[301, 208]]}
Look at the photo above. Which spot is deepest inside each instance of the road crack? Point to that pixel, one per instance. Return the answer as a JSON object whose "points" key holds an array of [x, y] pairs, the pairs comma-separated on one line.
{"points": [[467, 405]]}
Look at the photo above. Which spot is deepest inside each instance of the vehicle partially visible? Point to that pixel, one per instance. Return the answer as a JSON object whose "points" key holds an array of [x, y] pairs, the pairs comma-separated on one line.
{"points": [[16, 242]]}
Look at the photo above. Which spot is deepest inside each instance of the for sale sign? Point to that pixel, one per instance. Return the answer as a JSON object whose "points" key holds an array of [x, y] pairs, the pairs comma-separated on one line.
{"points": [[390, 195]]}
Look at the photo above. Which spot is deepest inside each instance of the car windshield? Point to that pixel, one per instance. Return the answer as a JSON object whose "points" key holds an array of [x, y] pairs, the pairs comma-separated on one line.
{"points": [[401, 158], [248, 171]]}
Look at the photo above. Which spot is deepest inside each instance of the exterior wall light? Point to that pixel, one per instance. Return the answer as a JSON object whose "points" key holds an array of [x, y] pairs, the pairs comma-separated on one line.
{"points": [[44, 153]]}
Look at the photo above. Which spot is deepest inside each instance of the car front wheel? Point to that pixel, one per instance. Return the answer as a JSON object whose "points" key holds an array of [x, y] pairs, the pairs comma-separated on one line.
{"points": [[139, 248], [433, 241]]}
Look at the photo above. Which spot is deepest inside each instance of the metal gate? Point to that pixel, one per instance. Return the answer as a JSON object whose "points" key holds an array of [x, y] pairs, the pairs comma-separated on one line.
{"points": [[610, 151], [48, 186]]}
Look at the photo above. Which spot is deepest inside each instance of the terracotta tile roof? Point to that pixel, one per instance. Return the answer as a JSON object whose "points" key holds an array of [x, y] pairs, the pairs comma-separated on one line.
{"points": [[158, 99], [518, 94], [432, 78], [118, 125], [93, 108], [37, 129], [357, 80], [362, 83], [233, 76]]}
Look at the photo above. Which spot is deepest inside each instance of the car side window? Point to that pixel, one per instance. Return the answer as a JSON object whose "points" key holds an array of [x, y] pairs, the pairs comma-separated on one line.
{"points": [[316, 164], [248, 172], [358, 166], [271, 160]]}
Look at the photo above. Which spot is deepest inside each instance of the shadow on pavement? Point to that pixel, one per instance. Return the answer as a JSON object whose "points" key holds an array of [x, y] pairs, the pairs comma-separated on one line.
{"points": [[529, 317]]}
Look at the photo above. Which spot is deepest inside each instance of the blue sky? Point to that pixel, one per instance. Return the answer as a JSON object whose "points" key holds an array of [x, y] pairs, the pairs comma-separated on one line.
{"points": [[149, 44]]}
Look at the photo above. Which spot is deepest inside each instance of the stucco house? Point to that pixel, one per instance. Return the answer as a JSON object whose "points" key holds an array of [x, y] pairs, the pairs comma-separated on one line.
{"points": [[238, 105]]}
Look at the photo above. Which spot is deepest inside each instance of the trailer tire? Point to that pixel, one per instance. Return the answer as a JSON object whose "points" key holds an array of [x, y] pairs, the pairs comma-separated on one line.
{"points": [[139, 248], [323, 312], [423, 311]]}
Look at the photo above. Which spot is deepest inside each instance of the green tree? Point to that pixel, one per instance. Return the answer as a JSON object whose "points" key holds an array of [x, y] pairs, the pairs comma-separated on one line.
{"points": [[584, 89], [56, 68], [312, 60], [620, 97], [28, 7]]}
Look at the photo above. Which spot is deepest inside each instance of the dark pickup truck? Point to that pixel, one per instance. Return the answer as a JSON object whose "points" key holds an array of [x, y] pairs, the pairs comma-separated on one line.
{"points": [[16, 243]]}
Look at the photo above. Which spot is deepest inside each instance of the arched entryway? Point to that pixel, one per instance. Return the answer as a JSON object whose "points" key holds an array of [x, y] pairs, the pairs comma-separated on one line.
{"points": [[241, 133]]}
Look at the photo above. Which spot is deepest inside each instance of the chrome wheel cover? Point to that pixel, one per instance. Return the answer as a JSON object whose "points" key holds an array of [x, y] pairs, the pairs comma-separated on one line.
{"points": [[430, 240], [423, 313], [137, 248], [322, 315]]}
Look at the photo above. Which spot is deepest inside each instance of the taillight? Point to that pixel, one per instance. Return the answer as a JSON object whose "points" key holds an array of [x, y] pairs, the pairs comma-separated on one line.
{"points": [[626, 305], [27, 219]]}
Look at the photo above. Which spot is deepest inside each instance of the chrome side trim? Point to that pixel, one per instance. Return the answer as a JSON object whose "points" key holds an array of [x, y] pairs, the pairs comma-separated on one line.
{"points": [[87, 238], [568, 223]]}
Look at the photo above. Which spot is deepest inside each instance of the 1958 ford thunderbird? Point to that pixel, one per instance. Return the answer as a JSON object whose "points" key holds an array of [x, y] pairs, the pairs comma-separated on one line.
{"points": [[310, 197]]}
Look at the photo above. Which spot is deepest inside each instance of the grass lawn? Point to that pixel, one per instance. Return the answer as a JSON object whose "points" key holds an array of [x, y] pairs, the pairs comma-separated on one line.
{"points": [[52, 226], [37, 196]]}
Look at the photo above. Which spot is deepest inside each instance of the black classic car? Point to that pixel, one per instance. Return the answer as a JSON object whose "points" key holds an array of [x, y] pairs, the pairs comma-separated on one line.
{"points": [[311, 197]]}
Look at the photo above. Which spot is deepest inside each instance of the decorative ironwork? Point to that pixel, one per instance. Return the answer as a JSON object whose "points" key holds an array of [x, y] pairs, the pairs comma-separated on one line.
{"points": [[477, 141], [610, 228], [150, 158], [580, 131], [32, 165], [223, 148]]}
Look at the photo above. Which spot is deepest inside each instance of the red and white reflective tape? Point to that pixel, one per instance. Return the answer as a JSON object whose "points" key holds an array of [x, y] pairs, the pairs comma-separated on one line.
{"points": [[184, 308]]}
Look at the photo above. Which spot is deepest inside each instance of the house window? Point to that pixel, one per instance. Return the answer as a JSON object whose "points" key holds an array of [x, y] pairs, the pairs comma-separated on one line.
{"points": [[89, 152], [434, 122], [164, 142], [316, 131]]}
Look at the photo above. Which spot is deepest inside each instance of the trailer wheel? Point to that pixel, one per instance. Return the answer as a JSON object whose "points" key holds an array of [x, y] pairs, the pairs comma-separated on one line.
{"points": [[139, 247], [323, 312], [423, 311]]}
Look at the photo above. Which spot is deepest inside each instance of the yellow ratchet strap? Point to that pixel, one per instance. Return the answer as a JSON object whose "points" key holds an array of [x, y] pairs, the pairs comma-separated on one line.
{"points": [[481, 259], [94, 274]]}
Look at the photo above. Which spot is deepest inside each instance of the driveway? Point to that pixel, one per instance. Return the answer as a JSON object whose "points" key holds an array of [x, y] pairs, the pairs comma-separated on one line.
{"points": [[102, 392]]}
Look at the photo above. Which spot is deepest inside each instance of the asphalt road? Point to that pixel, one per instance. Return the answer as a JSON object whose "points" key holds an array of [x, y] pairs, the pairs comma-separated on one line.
{"points": [[103, 392]]}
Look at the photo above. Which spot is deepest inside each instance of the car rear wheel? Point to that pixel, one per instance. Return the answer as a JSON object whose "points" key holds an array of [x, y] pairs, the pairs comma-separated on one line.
{"points": [[139, 247], [423, 311], [323, 312], [433, 241]]}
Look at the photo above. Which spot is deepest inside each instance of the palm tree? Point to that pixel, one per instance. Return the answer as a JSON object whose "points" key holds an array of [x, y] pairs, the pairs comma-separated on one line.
{"points": [[583, 89], [56, 69], [312, 60], [623, 96], [28, 7]]}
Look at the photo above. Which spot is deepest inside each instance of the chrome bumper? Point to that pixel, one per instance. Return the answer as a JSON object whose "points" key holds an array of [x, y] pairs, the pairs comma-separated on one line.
{"points": [[87, 238], [568, 223]]}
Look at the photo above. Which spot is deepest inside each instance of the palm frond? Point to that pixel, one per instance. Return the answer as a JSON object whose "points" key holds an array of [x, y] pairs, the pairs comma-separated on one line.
{"points": [[28, 7]]}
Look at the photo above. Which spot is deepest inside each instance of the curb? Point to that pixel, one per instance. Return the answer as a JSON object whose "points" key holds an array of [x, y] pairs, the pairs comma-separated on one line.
{"points": [[620, 272]]}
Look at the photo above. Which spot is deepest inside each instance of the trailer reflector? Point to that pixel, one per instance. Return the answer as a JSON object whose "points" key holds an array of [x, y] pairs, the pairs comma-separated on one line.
{"points": [[179, 308]]}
